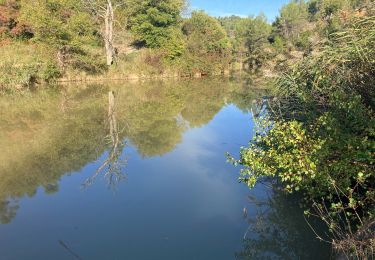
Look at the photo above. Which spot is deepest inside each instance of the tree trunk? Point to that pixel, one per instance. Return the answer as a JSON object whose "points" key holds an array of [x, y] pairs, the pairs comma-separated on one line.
{"points": [[108, 33]]}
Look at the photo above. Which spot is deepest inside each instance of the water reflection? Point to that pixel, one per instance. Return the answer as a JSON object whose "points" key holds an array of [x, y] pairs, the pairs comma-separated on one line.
{"points": [[50, 133], [113, 166], [278, 230], [8, 210]]}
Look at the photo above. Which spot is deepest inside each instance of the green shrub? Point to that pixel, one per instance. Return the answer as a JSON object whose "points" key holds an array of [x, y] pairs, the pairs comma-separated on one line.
{"points": [[321, 138], [303, 42], [50, 71]]}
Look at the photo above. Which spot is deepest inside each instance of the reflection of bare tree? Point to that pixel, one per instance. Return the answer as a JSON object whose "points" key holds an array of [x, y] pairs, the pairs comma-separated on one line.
{"points": [[113, 166], [64, 104]]}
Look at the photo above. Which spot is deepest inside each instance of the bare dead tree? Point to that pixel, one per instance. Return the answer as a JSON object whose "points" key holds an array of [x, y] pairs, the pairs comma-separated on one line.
{"points": [[105, 11]]}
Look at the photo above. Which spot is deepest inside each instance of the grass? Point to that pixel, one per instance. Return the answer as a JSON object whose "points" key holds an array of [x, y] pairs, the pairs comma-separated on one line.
{"points": [[22, 65]]}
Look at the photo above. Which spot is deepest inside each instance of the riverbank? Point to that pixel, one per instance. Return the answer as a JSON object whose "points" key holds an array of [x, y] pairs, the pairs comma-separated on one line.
{"points": [[68, 41], [316, 137], [30, 65]]}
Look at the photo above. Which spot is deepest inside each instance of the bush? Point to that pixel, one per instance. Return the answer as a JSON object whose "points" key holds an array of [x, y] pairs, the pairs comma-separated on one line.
{"points": [[321, 138], [50, 71], [303, 42]]}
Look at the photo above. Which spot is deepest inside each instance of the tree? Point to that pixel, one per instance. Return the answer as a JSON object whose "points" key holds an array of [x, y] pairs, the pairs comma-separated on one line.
{"points": [[313, 8], [236, 28], [155, 23], [330, 7], [57, 22], [62, 26], [105, 10], [293, 18], [256, 39], [113, 167], [206, 41]]}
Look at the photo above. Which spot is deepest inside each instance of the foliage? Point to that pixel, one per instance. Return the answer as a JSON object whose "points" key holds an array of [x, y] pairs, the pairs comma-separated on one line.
{"points": [[57, 22], [155, 23], [148, 40], [235, 28], [9, 24], [23, 66], [256, 40], [293, 17], [249, 39], [163, 41], [207, 45], [319, 137]]}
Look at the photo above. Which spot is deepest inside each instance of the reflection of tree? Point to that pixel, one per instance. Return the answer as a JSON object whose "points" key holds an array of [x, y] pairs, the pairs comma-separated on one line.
{"points": [[279, 231], [244, 96], [202, 101], [160, 137], [154, 128], [112, 167], [51, 188], [38, 150], [8, 210], [49, 133]]}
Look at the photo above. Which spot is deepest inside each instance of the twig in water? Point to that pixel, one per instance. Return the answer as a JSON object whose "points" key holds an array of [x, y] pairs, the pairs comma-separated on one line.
{"points": [[69, 250]]}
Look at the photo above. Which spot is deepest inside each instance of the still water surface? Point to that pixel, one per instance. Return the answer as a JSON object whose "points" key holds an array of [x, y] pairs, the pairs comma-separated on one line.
{"points": [[138, 171]]}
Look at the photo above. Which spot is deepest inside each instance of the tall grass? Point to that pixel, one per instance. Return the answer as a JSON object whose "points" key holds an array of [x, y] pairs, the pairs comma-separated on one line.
{"points": [[322, 139]]}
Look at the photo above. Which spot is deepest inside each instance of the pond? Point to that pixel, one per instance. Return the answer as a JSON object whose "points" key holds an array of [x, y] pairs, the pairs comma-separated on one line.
{"points": [[138, 171]]}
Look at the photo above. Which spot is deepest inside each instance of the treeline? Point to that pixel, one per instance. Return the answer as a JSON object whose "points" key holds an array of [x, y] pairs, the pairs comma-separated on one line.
{"points": [[44, 40], [300, 29], [318, 135]]}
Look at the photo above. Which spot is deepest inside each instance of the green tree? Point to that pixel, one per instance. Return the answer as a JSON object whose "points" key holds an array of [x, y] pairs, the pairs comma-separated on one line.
{"points": [[156, 23], [256, 40], [57, 22], [64, 28], [235, 28], [292, 19], [207, 43]]}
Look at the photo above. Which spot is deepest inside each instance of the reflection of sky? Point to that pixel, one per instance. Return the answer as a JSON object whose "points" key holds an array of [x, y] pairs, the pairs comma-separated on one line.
{"points": [[186, 204]]}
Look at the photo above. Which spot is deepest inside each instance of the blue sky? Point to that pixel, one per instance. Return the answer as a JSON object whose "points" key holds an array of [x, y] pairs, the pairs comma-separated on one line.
{"points": [[239, 7]]}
